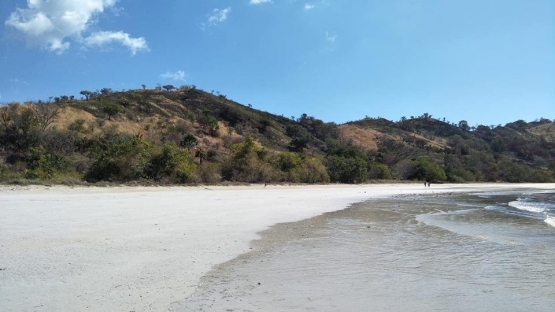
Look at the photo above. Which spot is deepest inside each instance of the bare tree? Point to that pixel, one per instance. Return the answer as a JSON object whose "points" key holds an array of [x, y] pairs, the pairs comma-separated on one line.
{"points": [[46, 113], [6, 116]]}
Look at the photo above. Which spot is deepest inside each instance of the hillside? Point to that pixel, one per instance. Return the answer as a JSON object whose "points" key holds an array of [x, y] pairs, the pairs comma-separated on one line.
{"points": [[188, 135]]}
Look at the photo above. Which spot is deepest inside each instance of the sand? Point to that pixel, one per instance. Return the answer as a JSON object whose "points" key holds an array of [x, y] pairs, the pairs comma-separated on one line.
{"points": [[142, 249]]}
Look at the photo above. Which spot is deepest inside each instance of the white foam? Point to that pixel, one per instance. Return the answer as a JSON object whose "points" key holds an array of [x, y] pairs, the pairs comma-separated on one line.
{"points": [[550, 220], [528, 206], [492, 208]]}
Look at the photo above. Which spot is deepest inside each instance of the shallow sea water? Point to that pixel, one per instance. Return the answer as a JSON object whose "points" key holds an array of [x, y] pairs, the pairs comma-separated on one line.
{"points": [[445, 253]]}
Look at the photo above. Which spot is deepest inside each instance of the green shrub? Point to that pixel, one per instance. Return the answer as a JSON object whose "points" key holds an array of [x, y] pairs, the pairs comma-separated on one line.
{"points": [[379, 171], [424, 169], [118, 157], [42, 165], [77, 126], [172, 164], [346, 169]]}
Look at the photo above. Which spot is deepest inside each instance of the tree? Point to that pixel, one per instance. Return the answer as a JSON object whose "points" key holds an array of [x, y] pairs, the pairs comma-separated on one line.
{"points": [[379, 171], [346, 164], [298, 143], [247, 163], [118, 157], [300, 137], [46, 113], [6, 116], [41, 164], [201, 155], [427, 170], [168, 87], [112, 109], [264, 124], [172, 163], [498, 146], [346, 169], [21, 128], [105, 91], [463, 124], [189, 141], [209, 123]]}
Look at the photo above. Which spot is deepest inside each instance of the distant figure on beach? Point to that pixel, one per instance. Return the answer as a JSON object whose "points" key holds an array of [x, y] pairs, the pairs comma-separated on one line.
{"points": [[264, 184], [429, 184], [424, 183]]}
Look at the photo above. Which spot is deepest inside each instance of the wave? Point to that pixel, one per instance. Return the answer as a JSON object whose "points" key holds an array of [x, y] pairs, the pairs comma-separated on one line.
{"points": [[550, 220], [530, 206]]}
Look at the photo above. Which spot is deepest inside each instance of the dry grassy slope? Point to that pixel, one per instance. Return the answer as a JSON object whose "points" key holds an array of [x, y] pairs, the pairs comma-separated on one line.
{"points": [[365, 138], [69, 115], [368, 138], [547, 131], [166, 113]]}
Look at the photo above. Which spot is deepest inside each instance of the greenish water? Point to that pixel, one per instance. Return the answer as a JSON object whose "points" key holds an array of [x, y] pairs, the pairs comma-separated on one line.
{"points": [[466, 253]]}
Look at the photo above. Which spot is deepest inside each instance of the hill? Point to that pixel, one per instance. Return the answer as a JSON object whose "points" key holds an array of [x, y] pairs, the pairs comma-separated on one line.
{"points": [[187, 135]]}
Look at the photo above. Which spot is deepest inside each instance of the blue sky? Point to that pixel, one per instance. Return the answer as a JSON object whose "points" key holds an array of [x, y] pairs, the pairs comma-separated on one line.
{"points": [[485, 61]]}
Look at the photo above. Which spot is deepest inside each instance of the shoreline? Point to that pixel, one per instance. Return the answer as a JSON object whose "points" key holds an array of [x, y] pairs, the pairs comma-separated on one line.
{"points": [[143, 248], [340, 259]]}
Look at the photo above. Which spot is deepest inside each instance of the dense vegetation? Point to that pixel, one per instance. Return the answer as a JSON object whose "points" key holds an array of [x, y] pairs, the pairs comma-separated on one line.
{"points": [[185, 135]]}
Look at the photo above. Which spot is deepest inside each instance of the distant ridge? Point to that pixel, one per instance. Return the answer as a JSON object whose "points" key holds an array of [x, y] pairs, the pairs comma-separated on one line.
{"points": [[185, 135]]}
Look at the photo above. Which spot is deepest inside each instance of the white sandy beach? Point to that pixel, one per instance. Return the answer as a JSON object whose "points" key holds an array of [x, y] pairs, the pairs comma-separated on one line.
{"points": [[143, 248]]}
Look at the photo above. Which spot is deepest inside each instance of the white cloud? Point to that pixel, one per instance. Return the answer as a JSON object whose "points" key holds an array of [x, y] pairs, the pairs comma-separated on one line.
{"points": [[102, 38], [330, 38], [309, 6], [218, 16], [50, 24], [17, 81], [178, 75], [260, 1]]}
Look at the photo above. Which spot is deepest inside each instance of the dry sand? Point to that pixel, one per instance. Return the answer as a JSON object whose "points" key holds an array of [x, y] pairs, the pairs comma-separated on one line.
{"points": [[141, 249]]}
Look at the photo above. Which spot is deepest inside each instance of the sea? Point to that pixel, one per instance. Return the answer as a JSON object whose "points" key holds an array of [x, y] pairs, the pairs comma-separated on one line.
{"points": [[491, 251]]}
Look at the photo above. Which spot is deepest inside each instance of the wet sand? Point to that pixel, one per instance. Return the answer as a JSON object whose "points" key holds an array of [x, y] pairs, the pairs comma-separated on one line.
{"points": [[378, 256], [147, 248]]}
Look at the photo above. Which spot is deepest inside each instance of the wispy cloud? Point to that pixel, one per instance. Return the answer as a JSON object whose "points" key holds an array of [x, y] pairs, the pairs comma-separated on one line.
{"points": [[103, 38], [178, 75], [218, 16], [260, 1], [331, 41], [330, 37], [309, 6], [51, 25], [18, 81]]}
